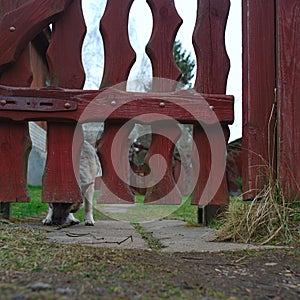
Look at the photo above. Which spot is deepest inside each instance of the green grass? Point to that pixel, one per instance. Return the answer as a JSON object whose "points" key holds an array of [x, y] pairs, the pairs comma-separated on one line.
{"points": [[186, 212], [34, 208], [152, 242], [37, 209], [140, 212]]}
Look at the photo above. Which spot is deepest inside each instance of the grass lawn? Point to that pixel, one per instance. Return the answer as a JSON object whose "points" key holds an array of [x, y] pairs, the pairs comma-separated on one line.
{"points": [[37, 209]]}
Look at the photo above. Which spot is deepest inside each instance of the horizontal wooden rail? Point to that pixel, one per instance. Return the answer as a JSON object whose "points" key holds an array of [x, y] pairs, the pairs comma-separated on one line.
{"points": [[188, 106]]}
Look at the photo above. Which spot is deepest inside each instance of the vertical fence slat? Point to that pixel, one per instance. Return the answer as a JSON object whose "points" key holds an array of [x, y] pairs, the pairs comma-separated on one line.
{"points": [[113, 189], [66, 71], [15, 143], [164, 192], [64, 52], [212, 71], [166, 23], [14, 151], [258, 93], [119, 58], [119, 55], [59, 179], [209, 44], [288, 43]]}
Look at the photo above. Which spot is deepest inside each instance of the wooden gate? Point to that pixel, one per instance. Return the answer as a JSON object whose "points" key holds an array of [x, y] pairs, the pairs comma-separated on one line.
{"points": [[24, 24], [271, 89]]}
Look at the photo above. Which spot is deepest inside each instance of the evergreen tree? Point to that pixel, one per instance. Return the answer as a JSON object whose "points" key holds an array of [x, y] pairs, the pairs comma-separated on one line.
{"points": [[184, 63]]}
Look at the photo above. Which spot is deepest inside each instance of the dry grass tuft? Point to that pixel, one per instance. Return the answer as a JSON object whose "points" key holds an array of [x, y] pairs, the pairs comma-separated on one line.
{"points": [[269, 219]]}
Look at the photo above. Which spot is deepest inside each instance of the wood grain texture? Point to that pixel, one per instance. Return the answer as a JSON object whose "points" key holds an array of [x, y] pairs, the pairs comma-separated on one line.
{"points": [[15, 145], [163, 143], [166, 23], [209, 43], [15, 142], [64, 52], [119, 55], [258, 94], [20, 26], [117, 65], [184, 106], [288, 83], [59, 179], [212, 71], [115, 162], [66, 71]]}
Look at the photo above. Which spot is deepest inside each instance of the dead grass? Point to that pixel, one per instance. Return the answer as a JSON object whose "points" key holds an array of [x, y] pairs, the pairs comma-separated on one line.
{"points": [[269, 219]]}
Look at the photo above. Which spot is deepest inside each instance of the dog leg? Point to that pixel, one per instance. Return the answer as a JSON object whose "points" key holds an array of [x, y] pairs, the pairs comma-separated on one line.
{"points": [[72, 220], [88, 206], [48, 219]]}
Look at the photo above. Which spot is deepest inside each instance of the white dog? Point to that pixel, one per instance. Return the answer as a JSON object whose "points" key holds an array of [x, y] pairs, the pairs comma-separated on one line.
{"points": [[60, 213]]}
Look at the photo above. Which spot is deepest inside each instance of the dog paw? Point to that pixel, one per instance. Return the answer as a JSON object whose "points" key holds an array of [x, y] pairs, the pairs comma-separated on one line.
{"points": [[47, 222], [74, 222], [89, 222], [71, 220]]}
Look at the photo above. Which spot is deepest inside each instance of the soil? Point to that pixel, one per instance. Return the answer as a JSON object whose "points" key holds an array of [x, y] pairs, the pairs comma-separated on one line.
{"points": [[135, 274]]}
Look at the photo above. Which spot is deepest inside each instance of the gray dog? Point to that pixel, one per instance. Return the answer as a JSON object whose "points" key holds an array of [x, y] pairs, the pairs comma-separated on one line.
{"points": [[60, 213]]}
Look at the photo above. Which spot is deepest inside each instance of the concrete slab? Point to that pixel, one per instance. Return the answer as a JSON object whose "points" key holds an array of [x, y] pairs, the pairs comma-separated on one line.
{"points": [[178, 236], [175, 235], [105, 234]]}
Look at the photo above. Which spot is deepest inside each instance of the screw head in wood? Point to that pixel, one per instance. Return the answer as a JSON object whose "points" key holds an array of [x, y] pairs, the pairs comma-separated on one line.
{"points": [[212, 108], [67, 105], [2, 102], [12, 28], [113, 103], [162, 104]]}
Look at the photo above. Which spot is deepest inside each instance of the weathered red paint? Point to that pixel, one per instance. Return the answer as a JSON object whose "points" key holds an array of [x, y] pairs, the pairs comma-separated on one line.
{"points": [[163, 143], [178, 105], [166, 23], [59, 179], [66, 71], [258, 94], [116, 71], [212, 71], [59, 184], [64, 52], [21, 25], [15, 143], [288, 95]]}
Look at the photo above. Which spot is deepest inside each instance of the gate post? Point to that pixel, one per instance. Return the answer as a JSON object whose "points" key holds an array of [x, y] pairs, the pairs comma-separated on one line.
{"points": [[288, 96], [258, 94]]}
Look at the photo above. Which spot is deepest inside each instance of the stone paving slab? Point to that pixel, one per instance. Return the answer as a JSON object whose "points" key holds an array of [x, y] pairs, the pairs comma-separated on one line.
{"points": [[105, 234], [178, 236], [175, 235]]}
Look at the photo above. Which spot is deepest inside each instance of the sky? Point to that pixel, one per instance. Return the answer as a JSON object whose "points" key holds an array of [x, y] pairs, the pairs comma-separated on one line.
{"points": [[140, 19]]}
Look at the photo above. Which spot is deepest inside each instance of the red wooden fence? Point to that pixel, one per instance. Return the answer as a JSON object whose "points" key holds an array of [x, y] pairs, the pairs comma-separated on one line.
{"points": [[288, 95], [62, 107], [271, 89]]}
